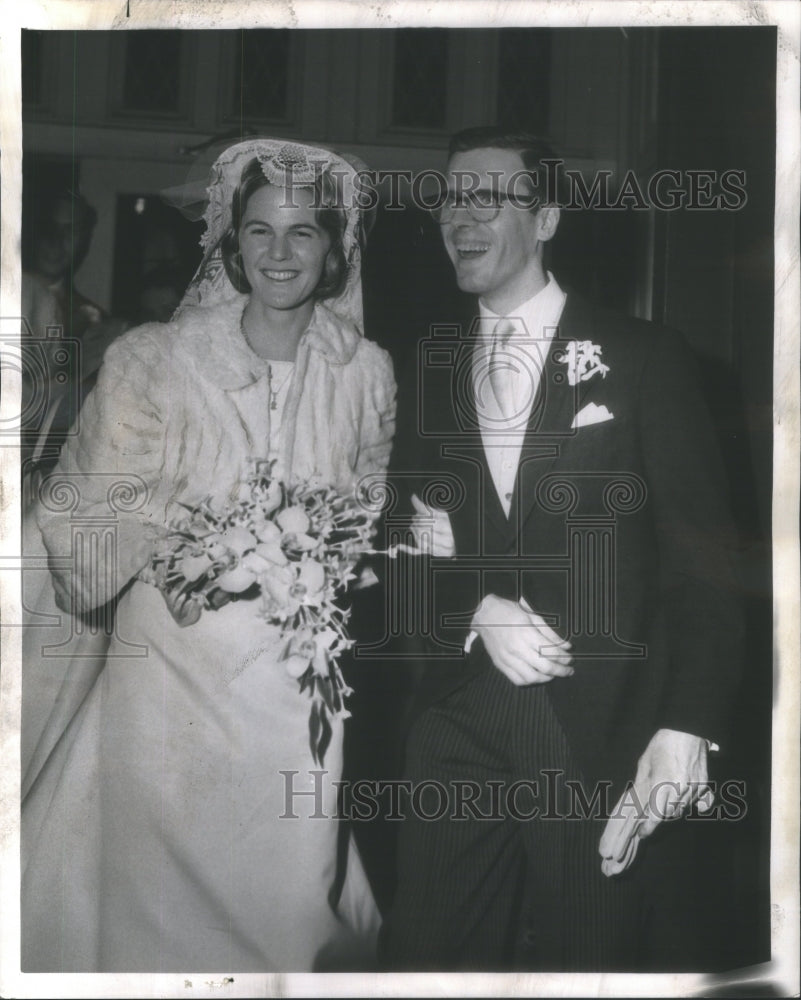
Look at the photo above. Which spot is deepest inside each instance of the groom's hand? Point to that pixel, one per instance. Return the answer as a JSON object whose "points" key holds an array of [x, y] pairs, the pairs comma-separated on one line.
{"points": [[671, 777], [519, 642]]}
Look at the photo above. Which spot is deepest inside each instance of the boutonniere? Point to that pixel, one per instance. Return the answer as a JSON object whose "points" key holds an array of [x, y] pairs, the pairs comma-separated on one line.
{"points": [[583, 360]]}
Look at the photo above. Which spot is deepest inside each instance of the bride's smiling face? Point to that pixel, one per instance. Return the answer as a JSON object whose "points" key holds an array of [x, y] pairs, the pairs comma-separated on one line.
{"points": [[283, 247]]}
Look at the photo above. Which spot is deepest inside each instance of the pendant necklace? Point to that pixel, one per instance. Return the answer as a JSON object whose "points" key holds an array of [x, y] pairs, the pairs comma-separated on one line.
{"points": [[275, 391]]}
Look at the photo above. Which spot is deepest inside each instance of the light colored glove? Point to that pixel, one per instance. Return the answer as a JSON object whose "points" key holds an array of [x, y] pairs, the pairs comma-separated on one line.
{"points": [[520, 644], [671, 777]]}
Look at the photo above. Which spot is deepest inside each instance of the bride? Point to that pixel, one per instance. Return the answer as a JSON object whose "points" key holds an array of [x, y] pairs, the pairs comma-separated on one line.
{"points": [[167, 829]]}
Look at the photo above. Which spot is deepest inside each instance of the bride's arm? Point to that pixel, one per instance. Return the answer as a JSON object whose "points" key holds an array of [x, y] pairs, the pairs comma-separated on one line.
{"points": [[378, 411], [107, 472]]}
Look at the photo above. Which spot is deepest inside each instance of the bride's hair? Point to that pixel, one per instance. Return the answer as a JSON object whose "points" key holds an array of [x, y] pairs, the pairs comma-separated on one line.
{"points": [[330, 217]]}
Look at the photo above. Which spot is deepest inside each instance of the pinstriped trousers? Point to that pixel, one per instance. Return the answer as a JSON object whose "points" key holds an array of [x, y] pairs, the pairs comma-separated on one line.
{"points": [[496, 884]]}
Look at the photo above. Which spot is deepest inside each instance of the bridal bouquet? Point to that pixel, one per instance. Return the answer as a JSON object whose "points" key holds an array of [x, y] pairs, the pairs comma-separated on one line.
{"points": [[292, 549]]}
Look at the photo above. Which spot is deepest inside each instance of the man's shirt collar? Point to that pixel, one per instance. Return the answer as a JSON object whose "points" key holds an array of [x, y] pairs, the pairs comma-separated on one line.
{"points": [[538, 316]]}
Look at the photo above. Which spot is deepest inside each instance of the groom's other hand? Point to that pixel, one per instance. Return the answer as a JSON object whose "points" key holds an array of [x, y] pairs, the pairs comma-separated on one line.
{"points": [[671, 776]]}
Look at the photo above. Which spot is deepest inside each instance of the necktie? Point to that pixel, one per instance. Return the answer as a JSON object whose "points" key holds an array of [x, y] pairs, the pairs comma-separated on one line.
{"points": [[502, 368]]}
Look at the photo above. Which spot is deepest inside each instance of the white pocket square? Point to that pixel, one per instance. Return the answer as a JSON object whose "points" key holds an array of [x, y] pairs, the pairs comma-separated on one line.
{"points": [[591, 414]]}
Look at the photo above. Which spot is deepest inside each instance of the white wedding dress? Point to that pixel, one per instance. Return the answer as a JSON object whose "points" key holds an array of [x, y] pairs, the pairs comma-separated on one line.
{"points": [[180, 822]]}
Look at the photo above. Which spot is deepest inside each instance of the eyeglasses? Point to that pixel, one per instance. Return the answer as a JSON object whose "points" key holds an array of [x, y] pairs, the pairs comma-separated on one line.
{"points": [[481, 206]]}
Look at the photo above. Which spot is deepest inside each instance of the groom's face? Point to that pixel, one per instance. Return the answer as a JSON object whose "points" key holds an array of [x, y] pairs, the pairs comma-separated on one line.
{"points": [[497, 259]]}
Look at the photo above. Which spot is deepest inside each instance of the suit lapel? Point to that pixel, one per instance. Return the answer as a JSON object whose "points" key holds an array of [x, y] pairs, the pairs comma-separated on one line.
{"points": [[464, 397], [550, 425], [456, 437]]}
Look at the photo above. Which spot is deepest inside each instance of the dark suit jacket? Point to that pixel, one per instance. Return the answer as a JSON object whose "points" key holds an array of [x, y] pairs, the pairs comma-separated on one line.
{"points": [[619, 534]]}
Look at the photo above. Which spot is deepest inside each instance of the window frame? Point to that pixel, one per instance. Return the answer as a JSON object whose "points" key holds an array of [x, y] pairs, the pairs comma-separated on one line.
{"points": [[168, 118]]}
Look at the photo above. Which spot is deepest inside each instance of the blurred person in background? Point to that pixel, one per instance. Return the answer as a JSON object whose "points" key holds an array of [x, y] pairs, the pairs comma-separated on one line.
{"points": [[57, 230]]}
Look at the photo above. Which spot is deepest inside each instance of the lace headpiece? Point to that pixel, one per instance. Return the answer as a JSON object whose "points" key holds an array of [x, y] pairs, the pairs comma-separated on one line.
{"points": [[285, 164]]}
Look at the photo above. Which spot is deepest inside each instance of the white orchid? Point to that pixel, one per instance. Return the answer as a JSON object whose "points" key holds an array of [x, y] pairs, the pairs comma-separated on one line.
{"points": [[583, 360]]}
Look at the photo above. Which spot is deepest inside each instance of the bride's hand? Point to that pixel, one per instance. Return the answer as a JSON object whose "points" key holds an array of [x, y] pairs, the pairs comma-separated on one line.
{"points": [[432, 530], [185, 608]]}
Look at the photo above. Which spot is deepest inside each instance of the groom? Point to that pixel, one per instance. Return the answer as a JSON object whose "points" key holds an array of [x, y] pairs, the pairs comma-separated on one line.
{"points": [[578, 579]]}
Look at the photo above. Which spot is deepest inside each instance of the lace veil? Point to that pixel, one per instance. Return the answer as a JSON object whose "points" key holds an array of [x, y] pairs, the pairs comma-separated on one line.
{"points": [[285, 164]]}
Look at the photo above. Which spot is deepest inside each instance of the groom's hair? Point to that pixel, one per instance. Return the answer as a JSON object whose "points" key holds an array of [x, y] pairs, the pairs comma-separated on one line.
{"points": [[330, 217], [533, 150]]}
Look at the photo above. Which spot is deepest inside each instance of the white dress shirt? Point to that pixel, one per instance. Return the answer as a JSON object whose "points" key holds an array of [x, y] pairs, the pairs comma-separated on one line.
{"points": [[524, 354]]}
